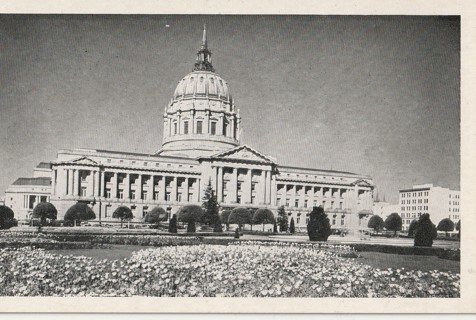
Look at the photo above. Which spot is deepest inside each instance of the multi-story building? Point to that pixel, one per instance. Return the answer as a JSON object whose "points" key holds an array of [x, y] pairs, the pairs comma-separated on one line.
{"points": [[201, 145], [439, 202], [384, 209]]}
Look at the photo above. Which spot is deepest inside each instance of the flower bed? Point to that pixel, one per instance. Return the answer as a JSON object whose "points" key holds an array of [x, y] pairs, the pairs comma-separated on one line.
{"points": [[239, 270]]}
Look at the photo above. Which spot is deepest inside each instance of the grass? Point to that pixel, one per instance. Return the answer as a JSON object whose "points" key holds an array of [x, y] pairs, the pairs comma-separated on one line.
{"points": [[409, 262], [374, 259]]}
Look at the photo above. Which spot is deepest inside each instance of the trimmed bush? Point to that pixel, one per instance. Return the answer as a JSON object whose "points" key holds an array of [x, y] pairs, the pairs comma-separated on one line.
{"points": [[318, 228], [240, 216], [263, 216], [393, 223], [225, 214], [190, 214], [376, 223], [45, 210], [156, 215], [210, 207], [173, 224], [6, 217], [412, 228], [446, 225], [79, 212], [425, 232], [292, 227]]}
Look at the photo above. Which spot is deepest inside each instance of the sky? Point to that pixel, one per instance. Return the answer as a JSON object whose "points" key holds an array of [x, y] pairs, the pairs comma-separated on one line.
{"points": [[374, 95]]}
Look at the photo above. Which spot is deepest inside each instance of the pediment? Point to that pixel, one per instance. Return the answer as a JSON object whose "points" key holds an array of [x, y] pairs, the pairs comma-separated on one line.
{"points": [[362, 183], [243, 153], [84, 160]]}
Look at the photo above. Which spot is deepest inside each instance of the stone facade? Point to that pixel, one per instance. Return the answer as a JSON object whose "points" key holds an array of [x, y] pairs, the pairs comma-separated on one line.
{"points": [[201, 145]]}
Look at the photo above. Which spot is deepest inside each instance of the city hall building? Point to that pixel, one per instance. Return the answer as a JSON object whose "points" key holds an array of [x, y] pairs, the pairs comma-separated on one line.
{"points": [[201, 145]]}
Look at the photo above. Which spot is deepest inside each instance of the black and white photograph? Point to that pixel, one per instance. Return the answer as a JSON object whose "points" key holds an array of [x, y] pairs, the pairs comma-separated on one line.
{"points": [[208, 156]]}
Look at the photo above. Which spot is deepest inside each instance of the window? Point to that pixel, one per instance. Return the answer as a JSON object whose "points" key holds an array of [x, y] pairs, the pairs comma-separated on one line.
{"points": [[175, 127], [156, 195], [333, 221], [239, 185], [144, 195], [108, 193], [121, 194], [185, 127], [199, 127], [298, 219], [179, 197], [167, 196], [307, 219], [133, 194], [305, 203], [253, 199], [224, 128], [213, 128], [83, 191], [238, 199], [253, 186], [144, 211], [296, 203], [342, 221], [287, 202]]}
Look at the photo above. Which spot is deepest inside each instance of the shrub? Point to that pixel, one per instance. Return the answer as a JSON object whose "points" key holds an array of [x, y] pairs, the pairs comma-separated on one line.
{"points": [[156, 215], [190, 214], [458, 228], [425, 232], [412, 228], [217, 227], [275, 227], [45, 210], [318, 228], [123, 213], [393, 223], [6, 217], [173, 224], [292, 228], [263, 216], [79, 212], [225, 214], [282, 219], [376, 223], [446, 225], [240, 216]]}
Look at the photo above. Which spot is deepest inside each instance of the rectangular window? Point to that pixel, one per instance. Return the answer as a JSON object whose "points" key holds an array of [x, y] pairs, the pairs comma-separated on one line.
{"points": [[179, 197], [108, 193], [144, 211], [175, 127], [133, 194], [253, 199], [213, 128], [239, 185], [342, 221], [185, 127], [83, 191], [287, 202], [296, 203], [199, 127], [167, 195], [156, 195], [305, 203], [307, 219], [253, 186], [334, 222], [144, 195], [121, 194], [238, 198]]}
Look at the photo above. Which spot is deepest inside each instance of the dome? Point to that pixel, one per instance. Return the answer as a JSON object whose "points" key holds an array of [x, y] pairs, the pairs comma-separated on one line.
{"points": [[202, 84]]}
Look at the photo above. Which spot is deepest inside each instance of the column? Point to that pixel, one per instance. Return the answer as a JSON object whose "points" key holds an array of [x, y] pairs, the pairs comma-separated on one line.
{"points": [[249, 179], [139, 187], [103, 185], [70, 182], [263, 185], [185, 191], [162, 189], [268, 187], [127, 186], [273, 190], [114, 186], [214, 178], [233, 189], [91, 183], [192, 122], [302, 198], [96, 183], [53, 182], [76, 182], [173, 194], [220, 185], [293, 196], [150, 186], [197, 190]]}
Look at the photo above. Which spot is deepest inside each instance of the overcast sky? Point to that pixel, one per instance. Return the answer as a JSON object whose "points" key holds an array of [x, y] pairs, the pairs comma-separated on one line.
{"points": [[372, 95]]}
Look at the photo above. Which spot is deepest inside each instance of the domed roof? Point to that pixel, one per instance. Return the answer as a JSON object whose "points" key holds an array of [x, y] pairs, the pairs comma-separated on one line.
{"points": [[201, 83]]}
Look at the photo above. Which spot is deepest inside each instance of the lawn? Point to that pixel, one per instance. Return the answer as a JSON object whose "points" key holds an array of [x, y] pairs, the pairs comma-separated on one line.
{"points": [[409, 262]]}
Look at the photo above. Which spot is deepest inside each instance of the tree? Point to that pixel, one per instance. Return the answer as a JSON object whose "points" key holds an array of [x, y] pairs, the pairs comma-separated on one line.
{"points": [[123, 213], [173, 224], [275, 227], [292, 228], [240, 216], [318, 228], [376, 223], [6, 217], [225, 214], [446, 225], [155, 216], [263, 216], [79, 212], [458, 228], [393, 223], [282, 219], [412, 228], [45, 210], [210, 206], [190, 214], [425, 232]]}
